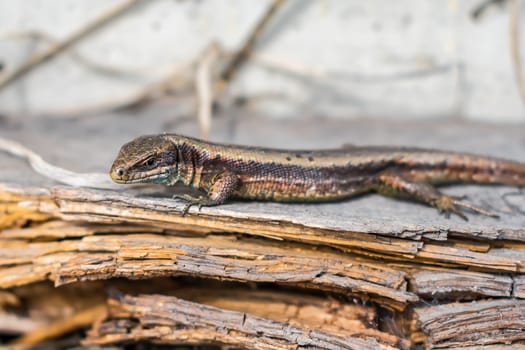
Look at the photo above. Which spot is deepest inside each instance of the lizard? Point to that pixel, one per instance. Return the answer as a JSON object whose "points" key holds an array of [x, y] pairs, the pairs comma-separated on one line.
{"points": [[223, 171]]}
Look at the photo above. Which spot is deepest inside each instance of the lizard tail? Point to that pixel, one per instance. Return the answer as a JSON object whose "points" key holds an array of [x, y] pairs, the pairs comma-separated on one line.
{"points": [[490, 170], [463, 167]]}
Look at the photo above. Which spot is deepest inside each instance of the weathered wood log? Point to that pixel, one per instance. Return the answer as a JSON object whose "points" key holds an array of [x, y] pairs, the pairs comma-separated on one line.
{"points": [[387, 254], [447, 284], [103, 207], [93, 251], [141, 256], [355, 223], [164, 319], [213, 256], [61, 310], [476, 323]]}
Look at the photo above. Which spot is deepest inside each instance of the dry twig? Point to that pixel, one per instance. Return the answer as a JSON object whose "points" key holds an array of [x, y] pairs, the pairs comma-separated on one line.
{"points": [[178, 78], [175, 77], [515, 49], [98, 67], [204, 88], [52, 51], [64, 176], [248, 45]]}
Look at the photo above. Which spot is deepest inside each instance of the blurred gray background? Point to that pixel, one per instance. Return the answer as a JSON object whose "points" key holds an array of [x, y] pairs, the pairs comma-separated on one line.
{"points": [[328, 58]]}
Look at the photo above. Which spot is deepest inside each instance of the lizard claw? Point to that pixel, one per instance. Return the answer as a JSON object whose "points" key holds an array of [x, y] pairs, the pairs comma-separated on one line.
{"points": [[199, 202], [186, 208], [190, 200], [475, 209], [190, 204], [446, 206], [452, 205]]}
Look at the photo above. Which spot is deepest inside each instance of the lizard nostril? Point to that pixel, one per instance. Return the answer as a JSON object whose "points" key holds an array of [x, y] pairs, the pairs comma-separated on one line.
{"points": [[119, 172]]}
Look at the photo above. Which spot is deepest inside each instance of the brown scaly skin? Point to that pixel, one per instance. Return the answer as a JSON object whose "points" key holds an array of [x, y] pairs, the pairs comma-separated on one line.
{"points": [[227, 171]]}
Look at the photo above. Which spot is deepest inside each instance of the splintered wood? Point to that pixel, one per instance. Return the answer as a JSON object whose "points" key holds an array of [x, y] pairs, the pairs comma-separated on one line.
{"points": [[177, 319], [89, 268]]}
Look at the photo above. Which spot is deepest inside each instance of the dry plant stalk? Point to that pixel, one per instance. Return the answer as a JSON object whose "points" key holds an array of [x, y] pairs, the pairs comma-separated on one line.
{"points": [[73, 38], [53, 172], [515, 49]]}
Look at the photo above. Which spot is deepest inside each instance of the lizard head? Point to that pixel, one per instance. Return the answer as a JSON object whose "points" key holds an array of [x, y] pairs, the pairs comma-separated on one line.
{"points": [[145, 159]]}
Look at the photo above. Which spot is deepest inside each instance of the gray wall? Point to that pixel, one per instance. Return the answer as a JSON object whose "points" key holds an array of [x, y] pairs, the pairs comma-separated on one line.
{"points": [[394, 59]]}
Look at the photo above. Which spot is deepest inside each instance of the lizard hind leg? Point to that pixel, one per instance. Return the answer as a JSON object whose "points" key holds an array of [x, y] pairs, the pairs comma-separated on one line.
{"points": [[394, 185]]}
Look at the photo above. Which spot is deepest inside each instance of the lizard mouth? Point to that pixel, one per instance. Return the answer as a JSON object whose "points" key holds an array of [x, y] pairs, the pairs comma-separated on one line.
{"points": [[140, 178]]}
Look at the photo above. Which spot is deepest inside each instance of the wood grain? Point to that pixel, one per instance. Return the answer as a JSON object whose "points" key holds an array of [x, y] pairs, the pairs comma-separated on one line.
{"points": [[167, 319]]}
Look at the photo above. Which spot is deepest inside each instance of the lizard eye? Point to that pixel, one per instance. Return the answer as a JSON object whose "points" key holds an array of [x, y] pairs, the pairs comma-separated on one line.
{"points": [[150, 161]]}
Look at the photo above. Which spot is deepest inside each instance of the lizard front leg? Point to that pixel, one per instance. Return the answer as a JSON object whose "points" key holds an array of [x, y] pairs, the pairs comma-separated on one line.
{"points": [[222, 187], [392, 184]]}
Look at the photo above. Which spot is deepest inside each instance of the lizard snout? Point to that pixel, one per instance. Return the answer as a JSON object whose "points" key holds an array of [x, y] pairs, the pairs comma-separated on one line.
{"points": [[118, 174]]}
